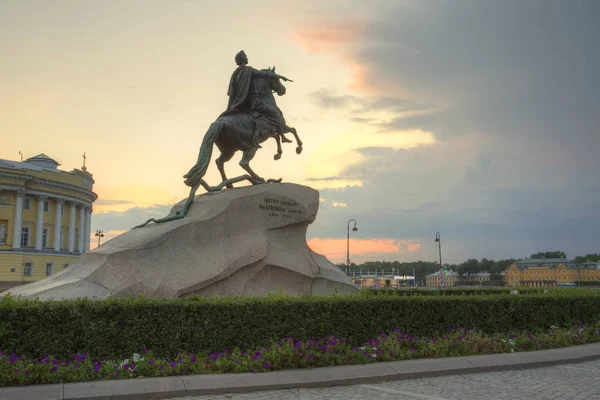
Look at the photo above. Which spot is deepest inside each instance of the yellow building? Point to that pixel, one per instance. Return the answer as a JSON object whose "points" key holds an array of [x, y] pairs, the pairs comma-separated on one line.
{"points": [[442, 278], [551, 272], [45, 218]]}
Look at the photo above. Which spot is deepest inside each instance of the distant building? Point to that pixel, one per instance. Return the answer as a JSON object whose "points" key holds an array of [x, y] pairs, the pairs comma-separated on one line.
{"points": [[45, 218], [442, 278], [550, 272]]}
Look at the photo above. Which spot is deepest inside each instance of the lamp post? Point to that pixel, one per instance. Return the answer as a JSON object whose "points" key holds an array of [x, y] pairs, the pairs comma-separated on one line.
{"points": [[348, 244], [439, 240], [99, 234]]}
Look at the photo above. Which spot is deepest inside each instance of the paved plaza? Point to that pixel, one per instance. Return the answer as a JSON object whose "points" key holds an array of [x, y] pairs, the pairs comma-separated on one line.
{"points": [[567, 382]]}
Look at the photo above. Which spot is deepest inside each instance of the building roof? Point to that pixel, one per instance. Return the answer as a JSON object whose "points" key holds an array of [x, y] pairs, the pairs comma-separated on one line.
{"points": [[590, 265], [555, 262], [549, 262], [442, 273], [41, 162]]}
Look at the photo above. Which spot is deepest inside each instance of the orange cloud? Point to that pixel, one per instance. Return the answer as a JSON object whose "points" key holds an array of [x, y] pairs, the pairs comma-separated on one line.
{"points": [[335, 249], [323, 39], [334, 39]]}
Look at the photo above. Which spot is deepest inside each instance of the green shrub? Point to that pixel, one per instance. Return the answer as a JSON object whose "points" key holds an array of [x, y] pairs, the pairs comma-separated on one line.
{"points": [[115, 328], [452, 291]]}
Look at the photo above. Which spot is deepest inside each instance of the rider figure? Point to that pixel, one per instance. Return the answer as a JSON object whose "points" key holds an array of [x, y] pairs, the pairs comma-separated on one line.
{"points": [[243, 96]]}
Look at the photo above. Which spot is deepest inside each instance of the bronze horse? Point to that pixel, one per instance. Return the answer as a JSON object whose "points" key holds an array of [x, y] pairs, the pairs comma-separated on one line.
{"points": [[231, 133]]}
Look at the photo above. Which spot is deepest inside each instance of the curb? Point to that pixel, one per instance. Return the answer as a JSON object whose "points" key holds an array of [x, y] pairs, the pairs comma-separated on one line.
{"points": [[211, 384]]}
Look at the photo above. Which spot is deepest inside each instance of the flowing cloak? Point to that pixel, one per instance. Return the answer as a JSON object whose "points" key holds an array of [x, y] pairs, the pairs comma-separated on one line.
{"points": [[239, 88]]}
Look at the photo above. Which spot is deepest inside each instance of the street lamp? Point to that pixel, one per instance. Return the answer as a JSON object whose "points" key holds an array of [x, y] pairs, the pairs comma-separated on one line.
{"points": [[354, 229], [99, 234], [439, 240]]}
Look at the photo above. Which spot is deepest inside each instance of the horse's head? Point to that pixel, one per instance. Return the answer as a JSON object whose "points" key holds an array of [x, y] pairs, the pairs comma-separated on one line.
{"points": [[276, 85]]}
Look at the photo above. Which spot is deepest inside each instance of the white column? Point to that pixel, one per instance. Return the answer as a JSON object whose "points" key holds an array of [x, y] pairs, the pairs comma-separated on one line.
{"points": [[88, 228], [72, 207], [58, 203], [80, 242], [39, 223], [18, 219]]}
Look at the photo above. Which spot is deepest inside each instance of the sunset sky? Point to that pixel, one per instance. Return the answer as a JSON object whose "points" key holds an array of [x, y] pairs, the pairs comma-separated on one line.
{"points": [[477, 119]]}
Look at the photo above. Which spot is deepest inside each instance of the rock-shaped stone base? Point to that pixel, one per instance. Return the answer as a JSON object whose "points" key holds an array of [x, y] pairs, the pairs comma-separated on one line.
{"points": [[244, 241]]}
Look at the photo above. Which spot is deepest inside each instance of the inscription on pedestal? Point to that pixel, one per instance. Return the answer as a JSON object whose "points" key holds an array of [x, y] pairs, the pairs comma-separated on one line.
{"points": [[280, 209]]}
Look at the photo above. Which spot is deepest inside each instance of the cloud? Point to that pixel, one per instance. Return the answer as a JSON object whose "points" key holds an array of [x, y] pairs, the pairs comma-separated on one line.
{"points": [[335, 249], [510, 91], [125, 220], [336, 204], [110, 202]]}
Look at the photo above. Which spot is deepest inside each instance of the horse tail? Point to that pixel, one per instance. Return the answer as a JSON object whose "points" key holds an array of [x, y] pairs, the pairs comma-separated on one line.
{"points": [[195, 175]]}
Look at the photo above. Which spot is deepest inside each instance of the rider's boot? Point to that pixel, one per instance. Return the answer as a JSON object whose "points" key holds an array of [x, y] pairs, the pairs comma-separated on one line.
{"points": [[281, 134]]}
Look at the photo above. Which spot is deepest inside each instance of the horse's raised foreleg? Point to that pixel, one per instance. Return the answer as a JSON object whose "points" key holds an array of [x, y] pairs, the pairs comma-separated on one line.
{"points": [[245, 163], [223, 158], [292, 130]]}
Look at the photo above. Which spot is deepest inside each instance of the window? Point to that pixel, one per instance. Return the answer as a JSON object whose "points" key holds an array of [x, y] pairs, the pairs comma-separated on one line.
{"points": [[46, 206], [45, 237], [28, 269], [27, 203], [49, 267], [25, 236]]}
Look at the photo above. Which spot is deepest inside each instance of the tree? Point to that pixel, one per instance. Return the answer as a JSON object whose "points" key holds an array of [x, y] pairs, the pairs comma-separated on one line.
{"points": [[550, 254], [586, 258]]}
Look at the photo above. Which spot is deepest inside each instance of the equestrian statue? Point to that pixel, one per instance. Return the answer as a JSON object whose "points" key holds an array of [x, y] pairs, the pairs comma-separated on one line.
{"points": [[251, 118]]}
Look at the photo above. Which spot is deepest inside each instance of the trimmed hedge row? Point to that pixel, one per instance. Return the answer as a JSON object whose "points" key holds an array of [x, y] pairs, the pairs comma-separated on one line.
{"points": [[453, 291], [112, 329]]}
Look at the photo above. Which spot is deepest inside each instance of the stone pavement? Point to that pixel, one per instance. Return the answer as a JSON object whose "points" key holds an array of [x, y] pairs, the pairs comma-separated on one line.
{"points": [[566, 382]]}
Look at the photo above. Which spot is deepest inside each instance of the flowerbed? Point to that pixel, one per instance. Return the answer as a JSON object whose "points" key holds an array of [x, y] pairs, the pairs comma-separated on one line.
{"points": [[289, 353]]}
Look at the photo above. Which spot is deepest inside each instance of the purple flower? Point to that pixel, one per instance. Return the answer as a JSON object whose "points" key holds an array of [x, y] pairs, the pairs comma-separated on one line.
{"points": [[395, 330], [267, 365], [299, 343], [173, 364], [325, 348], [54, 362], [54, 369], [257, 356], [412, 349], [144, 350], [117, 373], [151, 362], [97, 366], [460, 338], [193, 359], [311, 356]]}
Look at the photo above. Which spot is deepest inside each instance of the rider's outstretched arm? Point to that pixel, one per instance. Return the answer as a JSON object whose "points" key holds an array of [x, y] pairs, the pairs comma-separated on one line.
{"points": [[267, 75]]}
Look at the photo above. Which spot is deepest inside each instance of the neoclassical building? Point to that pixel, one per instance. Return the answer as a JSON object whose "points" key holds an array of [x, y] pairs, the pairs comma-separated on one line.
{"points": [[45, 218], [551, 272]]}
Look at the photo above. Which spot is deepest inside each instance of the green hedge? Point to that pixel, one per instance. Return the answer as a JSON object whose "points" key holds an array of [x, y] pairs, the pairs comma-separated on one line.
{"points": [[112, 329], [453, 291]]}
